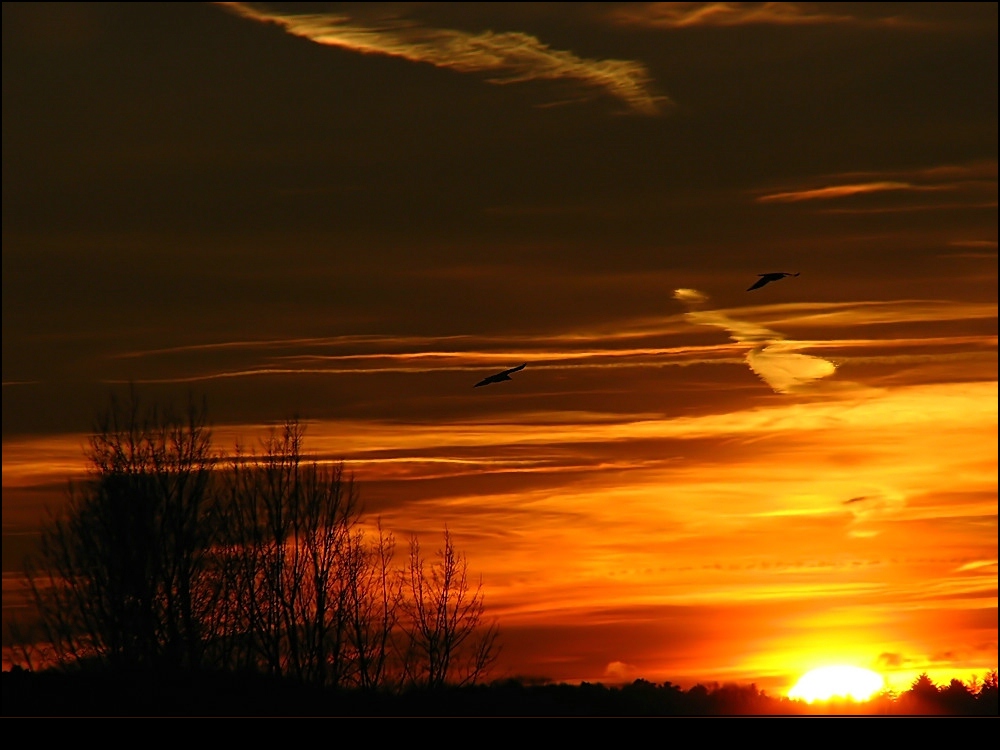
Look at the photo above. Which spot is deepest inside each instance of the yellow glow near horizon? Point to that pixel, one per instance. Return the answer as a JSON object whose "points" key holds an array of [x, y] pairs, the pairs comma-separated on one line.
{"points": [[839, 681]]}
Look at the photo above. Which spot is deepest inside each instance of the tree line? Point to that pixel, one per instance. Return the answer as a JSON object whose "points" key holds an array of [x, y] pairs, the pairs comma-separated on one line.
{"points": [[96, 693], [171, 557]]}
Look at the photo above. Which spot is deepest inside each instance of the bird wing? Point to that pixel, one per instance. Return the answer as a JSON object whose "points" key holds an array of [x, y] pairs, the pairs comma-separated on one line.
{"points": [[505, 375], [485, 381], [759, 282]]}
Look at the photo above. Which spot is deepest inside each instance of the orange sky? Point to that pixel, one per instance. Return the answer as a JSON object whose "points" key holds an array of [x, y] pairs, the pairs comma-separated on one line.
{"points": [[354, 216]]}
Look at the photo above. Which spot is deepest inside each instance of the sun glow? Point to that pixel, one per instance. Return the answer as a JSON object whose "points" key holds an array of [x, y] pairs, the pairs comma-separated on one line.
{"points": [[824, 683]]}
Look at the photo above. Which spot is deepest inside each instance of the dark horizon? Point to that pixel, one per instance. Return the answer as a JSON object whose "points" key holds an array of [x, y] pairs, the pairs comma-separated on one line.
{"points": [[28, 694]]}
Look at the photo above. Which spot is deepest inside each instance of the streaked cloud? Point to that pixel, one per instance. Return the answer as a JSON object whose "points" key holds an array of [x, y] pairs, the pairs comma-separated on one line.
{"points": [[974, 249], [977, 565], [963, 185], [506, 57], [682, 15], [759, 338], [912, 207], [834, 191], [832, 315]]}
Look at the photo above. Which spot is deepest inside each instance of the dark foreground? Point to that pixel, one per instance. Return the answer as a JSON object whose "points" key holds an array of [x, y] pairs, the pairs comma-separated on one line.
{"points": [[107, 694]]}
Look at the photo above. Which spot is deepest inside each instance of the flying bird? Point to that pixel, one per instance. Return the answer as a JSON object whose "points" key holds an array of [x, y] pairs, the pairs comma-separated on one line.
{"points": [[767, 278], [505, 375]]}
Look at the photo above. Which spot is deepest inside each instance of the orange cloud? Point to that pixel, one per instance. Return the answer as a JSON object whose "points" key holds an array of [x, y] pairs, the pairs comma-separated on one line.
{"points": [[641, 343], [510, 57], [974, 183], [685, 14], [775, 359], [834, 191]]}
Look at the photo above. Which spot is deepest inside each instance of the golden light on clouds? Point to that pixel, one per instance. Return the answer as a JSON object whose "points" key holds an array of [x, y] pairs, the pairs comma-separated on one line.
{"points": [[972, 185], [760, 336], [776, 359], [507, 57], [688, 14], [834, 191]]}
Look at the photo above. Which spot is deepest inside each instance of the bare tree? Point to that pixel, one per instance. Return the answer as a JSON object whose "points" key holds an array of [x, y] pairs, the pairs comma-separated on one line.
{"points": [[169, 557], [447, 640], [122, 574], [288, 533], [374, 593]]}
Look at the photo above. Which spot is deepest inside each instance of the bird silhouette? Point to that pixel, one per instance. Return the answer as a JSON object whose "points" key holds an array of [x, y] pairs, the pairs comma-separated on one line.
{"points": [[505, 375], [767, 278]]}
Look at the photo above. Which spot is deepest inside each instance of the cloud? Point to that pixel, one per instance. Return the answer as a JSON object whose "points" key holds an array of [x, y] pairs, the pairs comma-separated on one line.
{"points": [[681, 15], [839, 314], [642, 342], [834, 191], [872, 508], [689, 295], [976, 249], [972, 185], [773, 358], [779, 364], [620, 671], [976, 565], [510, 57], [890, 660]]}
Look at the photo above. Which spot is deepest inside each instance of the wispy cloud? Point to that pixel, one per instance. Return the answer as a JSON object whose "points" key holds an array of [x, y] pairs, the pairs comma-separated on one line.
{"points": [[974, 249], [833, 191], [977, 565], [647, 342], [775, 359], [681, 15], [970, 184], [833, 315], [508, 57], [872, 508]]}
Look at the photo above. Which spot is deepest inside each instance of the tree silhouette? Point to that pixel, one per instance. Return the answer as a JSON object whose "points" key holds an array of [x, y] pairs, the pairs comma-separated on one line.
{"points": [[990, 682], [286, 556], [170, 559], [956, 697], [373, 597], [447, 640], [923, 685], [988, 697], [312, 595], [922, 697], [122, 575]]}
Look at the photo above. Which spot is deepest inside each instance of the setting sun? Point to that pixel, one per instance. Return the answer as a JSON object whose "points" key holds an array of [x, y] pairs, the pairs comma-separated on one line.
{"points": [[825, 683]]}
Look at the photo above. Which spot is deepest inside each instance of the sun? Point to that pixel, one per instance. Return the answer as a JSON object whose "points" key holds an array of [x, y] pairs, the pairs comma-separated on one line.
{"points": [[825, 683]]}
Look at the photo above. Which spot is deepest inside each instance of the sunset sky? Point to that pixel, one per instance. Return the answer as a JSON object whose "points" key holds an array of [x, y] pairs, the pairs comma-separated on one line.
{"points": [[352, 213]]}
